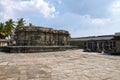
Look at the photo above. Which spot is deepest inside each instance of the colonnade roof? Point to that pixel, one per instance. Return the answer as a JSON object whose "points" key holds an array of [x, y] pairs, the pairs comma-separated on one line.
{"points": [[117, 34], [96, 38]]}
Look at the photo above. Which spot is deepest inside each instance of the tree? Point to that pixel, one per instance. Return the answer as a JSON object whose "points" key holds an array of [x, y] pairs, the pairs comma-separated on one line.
{"points": [[10, 26], [3, 31], [20, 23], [30, 24]]}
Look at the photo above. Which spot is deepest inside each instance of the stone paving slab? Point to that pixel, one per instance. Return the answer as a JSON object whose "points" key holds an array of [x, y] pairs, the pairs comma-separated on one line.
{"points": [[62, 65]]}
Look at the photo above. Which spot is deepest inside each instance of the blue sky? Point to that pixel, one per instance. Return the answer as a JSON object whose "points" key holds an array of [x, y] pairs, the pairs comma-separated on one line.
{"points": [[79, 17]]}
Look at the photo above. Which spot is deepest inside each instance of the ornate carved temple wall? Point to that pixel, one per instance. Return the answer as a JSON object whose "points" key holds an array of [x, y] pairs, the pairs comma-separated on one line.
{"points": [[40, 36]]}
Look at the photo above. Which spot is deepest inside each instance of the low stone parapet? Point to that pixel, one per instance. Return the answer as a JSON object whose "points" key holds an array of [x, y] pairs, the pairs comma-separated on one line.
{"points": [[32, 49]]}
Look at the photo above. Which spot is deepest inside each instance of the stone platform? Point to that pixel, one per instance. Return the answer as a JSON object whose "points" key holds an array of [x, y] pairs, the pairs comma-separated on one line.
{"points": [[31, 49]]}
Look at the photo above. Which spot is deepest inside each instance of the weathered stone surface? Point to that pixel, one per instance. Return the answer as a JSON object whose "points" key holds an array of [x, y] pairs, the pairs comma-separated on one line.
{"points": [[3, 42], [33, 49], [65, 65], [41, 36]]}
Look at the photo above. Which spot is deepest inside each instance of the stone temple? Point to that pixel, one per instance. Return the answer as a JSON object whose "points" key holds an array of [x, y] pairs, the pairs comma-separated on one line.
{"points": [[39, 39], [41, 36]]}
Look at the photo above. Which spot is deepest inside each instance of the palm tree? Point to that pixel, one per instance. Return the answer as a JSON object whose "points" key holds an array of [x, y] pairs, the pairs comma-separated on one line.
{"points": [[30, 24], [10, 26], [20, 22], [3, 31]]}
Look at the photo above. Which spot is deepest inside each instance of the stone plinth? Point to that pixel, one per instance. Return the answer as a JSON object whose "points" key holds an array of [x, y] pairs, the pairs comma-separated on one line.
{"points": [[31, 49]]}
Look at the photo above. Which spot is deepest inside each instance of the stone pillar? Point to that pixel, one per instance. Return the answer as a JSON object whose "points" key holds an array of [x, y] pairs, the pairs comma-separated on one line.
{"points": [[57, 39], [52, 39], [98, 48], [65, 39], [45, 38], [49, 42], [109, 45], [103, 46], [92, 44], [113, 45], [86, 44]]}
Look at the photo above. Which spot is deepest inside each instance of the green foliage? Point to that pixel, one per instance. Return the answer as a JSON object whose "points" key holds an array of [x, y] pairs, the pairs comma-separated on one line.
{"points": [[20, 22], [30, 24], [8, 28], [3, 31]]}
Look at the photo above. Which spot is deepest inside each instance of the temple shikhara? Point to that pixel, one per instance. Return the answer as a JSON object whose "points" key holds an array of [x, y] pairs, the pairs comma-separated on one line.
{"points": [[41, 36]]}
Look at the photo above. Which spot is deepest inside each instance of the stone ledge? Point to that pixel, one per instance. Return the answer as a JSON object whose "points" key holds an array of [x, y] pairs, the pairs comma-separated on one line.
{"points": [[31, 49]]}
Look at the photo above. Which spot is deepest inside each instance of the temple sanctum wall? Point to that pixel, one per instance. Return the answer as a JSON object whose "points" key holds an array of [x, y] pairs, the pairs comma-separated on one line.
{"points": [[41, 36]]}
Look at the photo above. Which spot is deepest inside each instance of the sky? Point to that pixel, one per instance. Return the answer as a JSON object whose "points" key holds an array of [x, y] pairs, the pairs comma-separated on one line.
{"points": [[81, 18]]}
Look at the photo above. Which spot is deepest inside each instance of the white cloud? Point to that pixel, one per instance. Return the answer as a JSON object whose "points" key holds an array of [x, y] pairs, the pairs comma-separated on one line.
{"points": [[45, 8], [6, 10], [115, 8], [99, 21], [114, 11], [83, 25], [9, 8], [95, 21]]}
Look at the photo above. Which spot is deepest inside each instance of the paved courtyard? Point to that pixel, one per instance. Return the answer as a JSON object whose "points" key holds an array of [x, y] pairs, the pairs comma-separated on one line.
{"points": [[62, 65]]}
